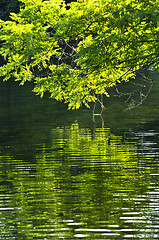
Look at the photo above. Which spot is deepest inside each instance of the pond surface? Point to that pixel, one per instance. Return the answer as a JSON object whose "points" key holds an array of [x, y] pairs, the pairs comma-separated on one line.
{"points": [[63, 176]]}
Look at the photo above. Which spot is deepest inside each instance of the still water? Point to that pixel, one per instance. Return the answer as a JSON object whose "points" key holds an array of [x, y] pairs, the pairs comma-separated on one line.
{"points": [[63, 176]]}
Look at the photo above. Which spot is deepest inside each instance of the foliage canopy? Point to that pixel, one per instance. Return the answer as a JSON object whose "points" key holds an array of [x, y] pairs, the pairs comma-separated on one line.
{"points": [[78, 50]]}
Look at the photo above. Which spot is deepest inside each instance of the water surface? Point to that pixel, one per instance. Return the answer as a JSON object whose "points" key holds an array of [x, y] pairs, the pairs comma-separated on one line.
{"points": [[62, 176]]}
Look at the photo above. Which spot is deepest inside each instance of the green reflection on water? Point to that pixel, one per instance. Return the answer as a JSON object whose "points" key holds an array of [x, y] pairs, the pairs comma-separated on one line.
{"points": [[78, 185]]}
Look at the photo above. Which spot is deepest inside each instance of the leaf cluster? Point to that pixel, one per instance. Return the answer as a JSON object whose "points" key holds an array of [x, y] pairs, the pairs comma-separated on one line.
{"points": [[78, 50]]}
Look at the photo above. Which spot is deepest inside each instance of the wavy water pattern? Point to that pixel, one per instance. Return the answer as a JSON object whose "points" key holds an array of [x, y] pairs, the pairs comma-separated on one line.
{"points": [[63, 176], [80, 185]]}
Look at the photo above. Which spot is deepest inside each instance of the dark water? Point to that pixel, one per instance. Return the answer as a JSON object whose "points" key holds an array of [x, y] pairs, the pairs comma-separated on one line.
{"points": [[62, 176]]}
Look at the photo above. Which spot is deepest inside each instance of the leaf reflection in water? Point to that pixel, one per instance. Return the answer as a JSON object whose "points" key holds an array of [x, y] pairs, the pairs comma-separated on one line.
{"points": [[86, 184]]}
